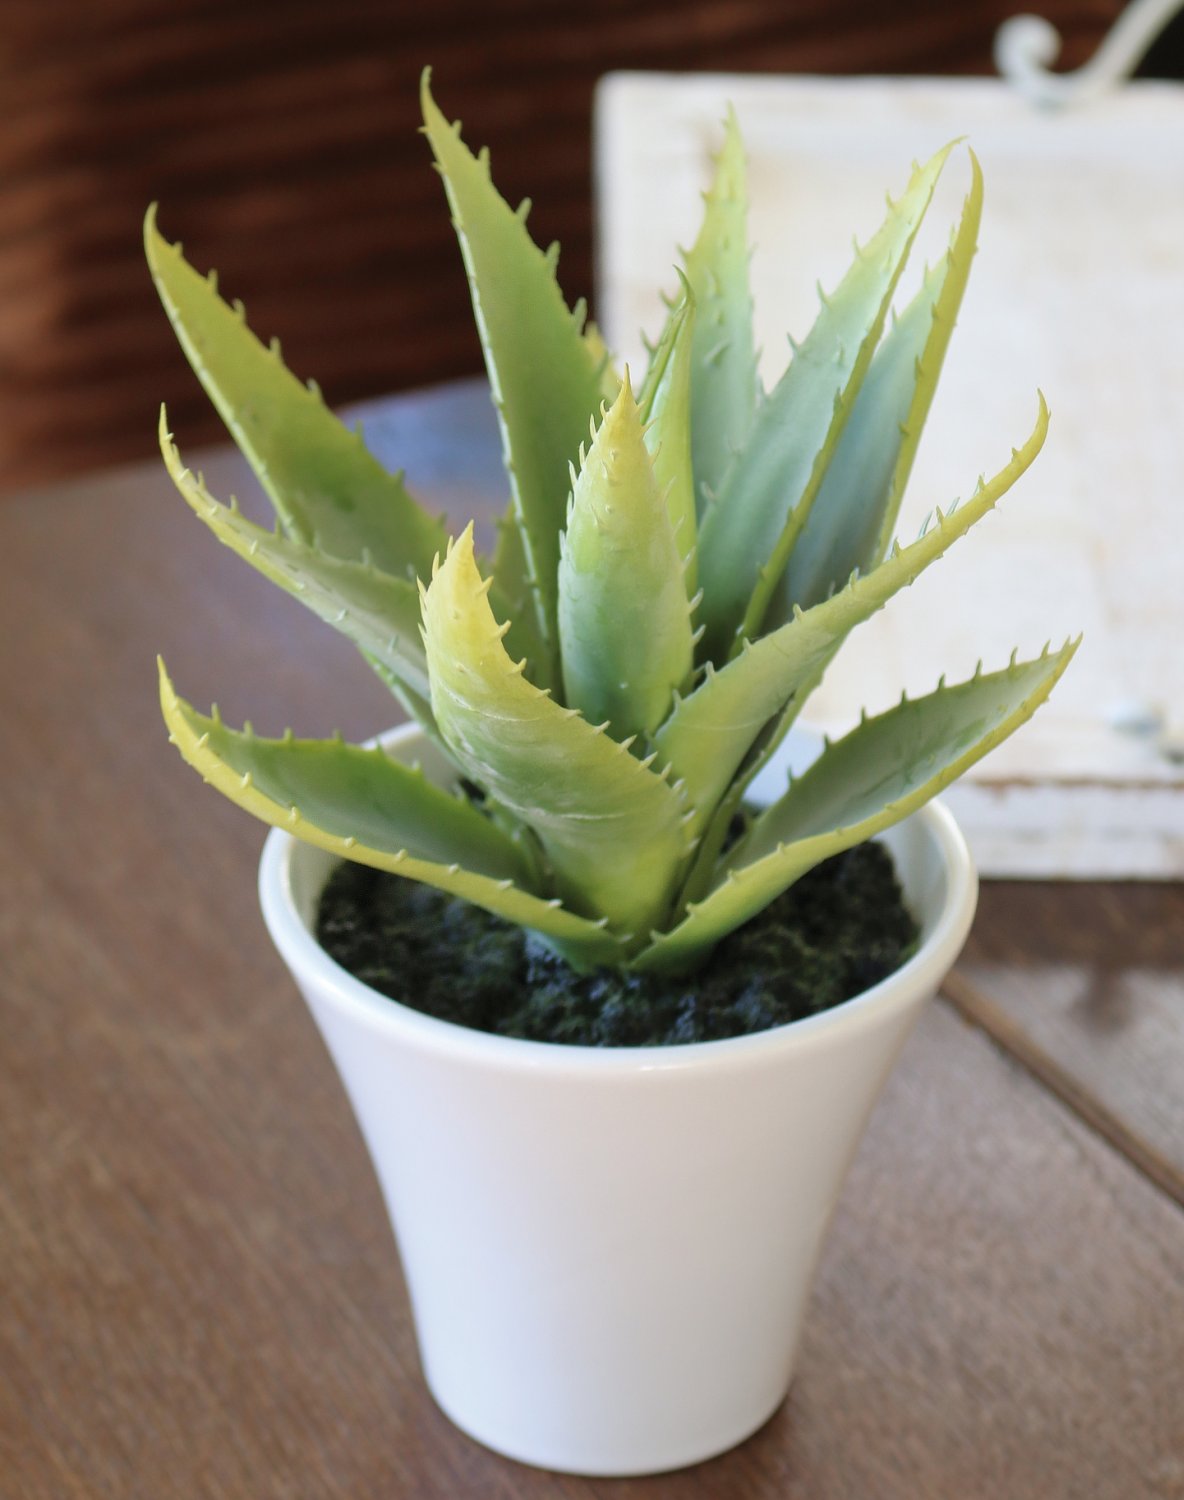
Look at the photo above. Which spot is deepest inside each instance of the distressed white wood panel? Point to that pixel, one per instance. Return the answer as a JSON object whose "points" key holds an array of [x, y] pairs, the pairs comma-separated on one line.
{"points": [[1078, 289]]}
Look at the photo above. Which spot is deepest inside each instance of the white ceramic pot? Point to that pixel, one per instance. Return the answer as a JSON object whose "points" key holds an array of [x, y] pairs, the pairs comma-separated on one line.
{"points": [[609, 1252]]}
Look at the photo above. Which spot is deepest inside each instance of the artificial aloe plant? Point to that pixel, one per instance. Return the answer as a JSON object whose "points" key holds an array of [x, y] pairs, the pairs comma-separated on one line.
{"points": [[678, 565]]}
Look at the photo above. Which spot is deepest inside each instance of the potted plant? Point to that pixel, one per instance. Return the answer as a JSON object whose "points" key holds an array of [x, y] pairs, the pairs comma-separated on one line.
{"points": [[608, 1249]]}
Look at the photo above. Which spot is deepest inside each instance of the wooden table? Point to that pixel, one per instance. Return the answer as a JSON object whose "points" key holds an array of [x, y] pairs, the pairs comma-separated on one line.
{"points": [[199, 1294]]}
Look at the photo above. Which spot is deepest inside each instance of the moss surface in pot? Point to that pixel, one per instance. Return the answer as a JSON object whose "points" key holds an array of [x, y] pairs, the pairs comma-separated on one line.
{"points": [[679, 562]]}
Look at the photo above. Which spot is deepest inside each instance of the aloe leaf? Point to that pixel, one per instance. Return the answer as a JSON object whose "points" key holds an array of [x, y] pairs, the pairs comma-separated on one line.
{"points": [[415, 705], [710, 732], [512, 598], [894, 762], [325, 485], [544, 377], [665, 403], [854, 514], [611, 828], [882, 771], [378, 612], [350, 791], [369, 808], [749, 533], [724, 385], [624, 620]]}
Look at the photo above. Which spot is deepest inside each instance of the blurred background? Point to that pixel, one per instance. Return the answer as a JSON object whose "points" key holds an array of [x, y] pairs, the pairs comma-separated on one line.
{"points": [[280, 139]]}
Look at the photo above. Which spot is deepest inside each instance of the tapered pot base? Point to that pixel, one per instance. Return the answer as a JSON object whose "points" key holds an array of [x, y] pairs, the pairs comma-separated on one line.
{"points": [[609, 1251]]}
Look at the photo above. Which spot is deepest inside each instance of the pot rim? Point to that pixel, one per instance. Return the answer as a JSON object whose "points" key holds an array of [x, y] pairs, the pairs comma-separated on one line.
{"points": [[309, 962]]}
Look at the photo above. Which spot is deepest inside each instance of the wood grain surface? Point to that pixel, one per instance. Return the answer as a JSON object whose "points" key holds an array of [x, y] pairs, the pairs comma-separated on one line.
{"points": [[280, 138], [200, 1293], [1100, 1014]]}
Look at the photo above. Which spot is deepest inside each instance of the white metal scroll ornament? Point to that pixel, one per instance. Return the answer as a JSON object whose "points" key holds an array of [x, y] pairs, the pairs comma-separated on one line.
{"points": [[1027, 46]]}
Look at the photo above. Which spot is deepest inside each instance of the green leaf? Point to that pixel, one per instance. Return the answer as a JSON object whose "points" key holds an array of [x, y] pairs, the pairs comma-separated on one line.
{"points": [[724, 380], [748, 535], [325, 486], [511, 597], [378, 612], [710, 732], [854, 514], [665, 403], [624, 621], [415, 705], [882, 771], [611, 828], [367, 807], [545, 378], [895, 762]]}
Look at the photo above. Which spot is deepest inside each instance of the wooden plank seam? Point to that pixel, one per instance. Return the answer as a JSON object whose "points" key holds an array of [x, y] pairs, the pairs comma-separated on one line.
{"points": [[980, 1011]]}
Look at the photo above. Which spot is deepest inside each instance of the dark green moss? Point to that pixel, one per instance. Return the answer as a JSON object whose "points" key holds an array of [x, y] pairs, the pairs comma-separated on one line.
{"points": [[841, 928]]}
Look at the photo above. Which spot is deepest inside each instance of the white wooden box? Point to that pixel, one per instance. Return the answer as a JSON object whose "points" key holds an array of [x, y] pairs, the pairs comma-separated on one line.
{"points": [[1078, 289]]}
